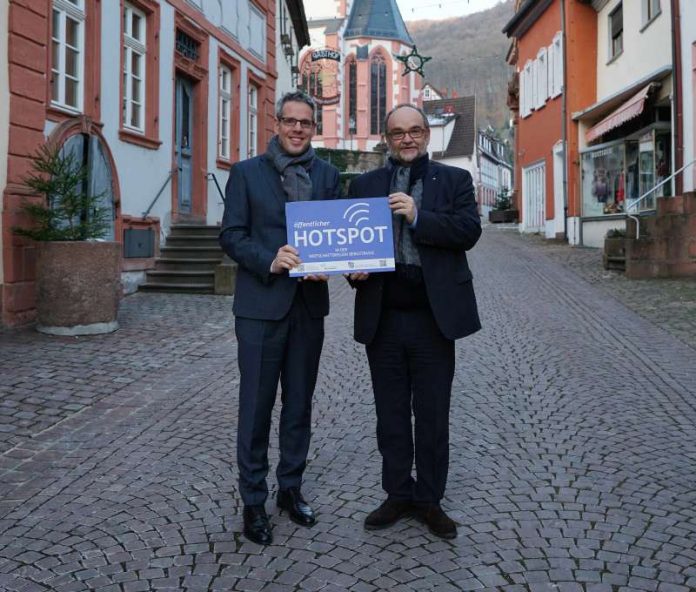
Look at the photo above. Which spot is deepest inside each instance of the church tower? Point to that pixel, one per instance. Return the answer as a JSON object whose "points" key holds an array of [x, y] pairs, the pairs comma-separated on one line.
{"points": [[352, 72]]}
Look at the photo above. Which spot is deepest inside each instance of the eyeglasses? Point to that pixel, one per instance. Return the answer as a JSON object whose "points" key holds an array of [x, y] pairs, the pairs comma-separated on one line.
{"points": [[415, 132], [292, 122]]}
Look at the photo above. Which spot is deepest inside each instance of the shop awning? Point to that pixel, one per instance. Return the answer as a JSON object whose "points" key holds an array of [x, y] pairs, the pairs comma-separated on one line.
{"points": [[630, 109]]}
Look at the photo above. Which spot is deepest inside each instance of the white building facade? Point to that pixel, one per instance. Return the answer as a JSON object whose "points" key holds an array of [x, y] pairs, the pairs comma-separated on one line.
{"points": [[626, 138], [158, 97]]}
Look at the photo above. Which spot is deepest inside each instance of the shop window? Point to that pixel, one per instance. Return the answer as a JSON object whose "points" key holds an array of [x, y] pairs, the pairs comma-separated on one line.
{"points": [[604, 181], [616, 32], [616, 175]]}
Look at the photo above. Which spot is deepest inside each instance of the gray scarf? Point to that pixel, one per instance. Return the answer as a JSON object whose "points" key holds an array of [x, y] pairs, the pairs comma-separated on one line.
{"points": [[293, 170], [405, 251]]}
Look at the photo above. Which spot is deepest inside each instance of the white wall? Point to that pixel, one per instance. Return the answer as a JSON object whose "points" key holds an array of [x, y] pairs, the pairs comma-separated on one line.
{"points": [[141, 172], [643, 52], [4, 111], [688, 51], [283, 62], [320, 9], [440, 136]]}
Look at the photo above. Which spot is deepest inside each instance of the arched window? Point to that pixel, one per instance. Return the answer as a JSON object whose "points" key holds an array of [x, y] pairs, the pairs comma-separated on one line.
{"points": [[378, 92], [87, 151], [352, 86], [310, 83]]}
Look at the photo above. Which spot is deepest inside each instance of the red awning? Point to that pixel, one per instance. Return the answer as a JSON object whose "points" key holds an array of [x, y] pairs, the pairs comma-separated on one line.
{"points": [[630, 109]]}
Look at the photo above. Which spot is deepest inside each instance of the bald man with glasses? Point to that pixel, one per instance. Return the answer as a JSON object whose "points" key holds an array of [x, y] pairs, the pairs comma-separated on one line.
{"points": [[409, 319]]}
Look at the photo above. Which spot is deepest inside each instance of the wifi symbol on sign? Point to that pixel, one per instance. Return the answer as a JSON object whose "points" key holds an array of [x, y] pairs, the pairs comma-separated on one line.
{"points": [[357, 213]]}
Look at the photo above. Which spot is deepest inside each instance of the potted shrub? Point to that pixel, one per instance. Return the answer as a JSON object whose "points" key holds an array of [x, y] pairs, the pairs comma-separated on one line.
{"points": [[77, 272], [503, 210], [614, 256]]}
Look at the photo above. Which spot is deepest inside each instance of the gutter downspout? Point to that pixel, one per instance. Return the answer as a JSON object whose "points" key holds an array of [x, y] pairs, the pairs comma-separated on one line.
{"points": [[564, 120], [677, 114]]}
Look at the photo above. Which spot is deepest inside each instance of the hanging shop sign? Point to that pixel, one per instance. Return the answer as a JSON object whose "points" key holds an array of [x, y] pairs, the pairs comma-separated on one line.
{"points": [[321, 76]]}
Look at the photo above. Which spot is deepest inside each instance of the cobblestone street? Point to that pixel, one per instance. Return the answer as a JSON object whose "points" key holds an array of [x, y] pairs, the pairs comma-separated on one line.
{"points": [[573, 447]]}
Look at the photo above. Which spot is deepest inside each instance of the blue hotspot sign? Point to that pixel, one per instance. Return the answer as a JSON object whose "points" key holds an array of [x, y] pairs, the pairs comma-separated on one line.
{"points": [[341, 235]]}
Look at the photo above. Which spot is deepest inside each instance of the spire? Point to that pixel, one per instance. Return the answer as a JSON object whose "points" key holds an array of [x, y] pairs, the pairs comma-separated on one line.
{"points": [[379, 19]]}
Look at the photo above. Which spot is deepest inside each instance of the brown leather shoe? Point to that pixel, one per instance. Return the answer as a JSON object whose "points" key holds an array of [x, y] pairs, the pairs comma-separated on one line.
{"points": [[390, 512], [438, 523]]}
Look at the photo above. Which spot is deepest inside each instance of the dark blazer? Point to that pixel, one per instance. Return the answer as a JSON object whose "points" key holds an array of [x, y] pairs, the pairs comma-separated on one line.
{"points": [[253, 229], [448, 225]]}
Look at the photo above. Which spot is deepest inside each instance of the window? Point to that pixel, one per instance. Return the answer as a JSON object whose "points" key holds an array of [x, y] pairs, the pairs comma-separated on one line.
{"points": [[253, 121], [535, 85], [88, 151], [224, 112], [256, 31], [353, 96], [556, 64], [616, 32], [378, 93], [526, 89], [134, 51], [651, 8], [67, 54], [542, 79], [140, 73]]}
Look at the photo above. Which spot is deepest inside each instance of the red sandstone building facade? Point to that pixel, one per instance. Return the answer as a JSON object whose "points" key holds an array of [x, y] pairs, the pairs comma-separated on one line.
{"points": [[553, 53]]}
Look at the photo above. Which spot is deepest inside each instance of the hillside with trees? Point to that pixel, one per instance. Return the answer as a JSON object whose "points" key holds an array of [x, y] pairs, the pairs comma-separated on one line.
{"points": [[468, 58]]}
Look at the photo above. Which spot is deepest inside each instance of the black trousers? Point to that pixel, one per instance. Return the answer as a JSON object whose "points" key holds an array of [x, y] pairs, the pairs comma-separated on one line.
{"points": [[268, 352], [412, 368]]}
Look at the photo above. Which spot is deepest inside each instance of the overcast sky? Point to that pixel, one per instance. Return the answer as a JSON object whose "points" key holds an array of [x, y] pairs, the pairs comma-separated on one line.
{"points": [[411, 10], [438, 9]]}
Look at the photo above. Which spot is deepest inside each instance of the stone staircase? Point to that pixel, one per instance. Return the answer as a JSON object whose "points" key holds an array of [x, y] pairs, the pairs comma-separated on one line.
{"points": [[188, 261], [667, 243]]}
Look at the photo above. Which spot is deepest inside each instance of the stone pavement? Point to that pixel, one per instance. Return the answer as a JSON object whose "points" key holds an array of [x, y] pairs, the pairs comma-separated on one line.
{"points": [[573, 464]]}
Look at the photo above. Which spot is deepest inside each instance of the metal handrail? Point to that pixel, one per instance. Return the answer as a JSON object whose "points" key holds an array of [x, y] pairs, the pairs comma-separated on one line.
{"points": [[634, 203], [212, 175], [169, 176]]}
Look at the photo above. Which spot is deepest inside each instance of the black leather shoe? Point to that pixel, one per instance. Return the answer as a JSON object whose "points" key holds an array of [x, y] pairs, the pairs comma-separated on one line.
{"points": [[293, 503], [390, 512], [257, 527], [438, 523]]}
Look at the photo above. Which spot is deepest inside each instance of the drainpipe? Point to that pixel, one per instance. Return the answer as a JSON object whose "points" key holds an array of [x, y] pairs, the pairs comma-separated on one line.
{"points": [[564, 120], [676, 100]]}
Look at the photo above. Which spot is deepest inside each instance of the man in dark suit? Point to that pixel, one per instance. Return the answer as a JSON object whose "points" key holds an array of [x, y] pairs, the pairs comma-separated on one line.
{"points": [[279, 320], [409, 318]]}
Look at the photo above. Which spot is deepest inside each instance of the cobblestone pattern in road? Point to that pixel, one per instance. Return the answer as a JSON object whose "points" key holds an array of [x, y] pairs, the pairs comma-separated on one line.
{"points": [[572, 469]]}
